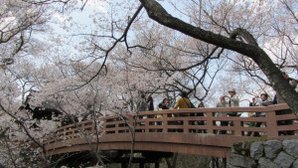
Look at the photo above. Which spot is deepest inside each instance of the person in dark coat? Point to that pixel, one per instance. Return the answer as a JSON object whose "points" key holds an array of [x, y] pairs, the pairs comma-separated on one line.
{"points": [[142, 104], [150, 103], [164, 104]]}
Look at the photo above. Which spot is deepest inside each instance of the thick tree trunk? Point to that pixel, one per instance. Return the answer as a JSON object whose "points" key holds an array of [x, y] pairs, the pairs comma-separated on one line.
{"points": [[156, 12]]}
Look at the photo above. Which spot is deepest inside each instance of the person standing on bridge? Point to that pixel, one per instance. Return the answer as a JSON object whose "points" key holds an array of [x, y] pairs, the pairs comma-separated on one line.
{"points": [[164, 105], [233, 101], [253, 101], [222, 103], [263, 101], [200, 105], [183, 102], [142, 104], [150, 103]]}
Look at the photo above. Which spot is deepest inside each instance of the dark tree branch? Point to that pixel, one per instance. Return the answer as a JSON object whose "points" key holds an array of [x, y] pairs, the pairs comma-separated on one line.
{"points": [[24, 127]]}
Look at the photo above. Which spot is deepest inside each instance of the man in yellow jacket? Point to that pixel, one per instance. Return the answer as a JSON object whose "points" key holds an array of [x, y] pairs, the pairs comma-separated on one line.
{"points": [[183, 102]]}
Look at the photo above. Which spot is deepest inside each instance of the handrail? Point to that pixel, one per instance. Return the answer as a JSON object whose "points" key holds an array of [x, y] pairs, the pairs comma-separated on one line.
{"points": [[203, 120], [196, 121]]}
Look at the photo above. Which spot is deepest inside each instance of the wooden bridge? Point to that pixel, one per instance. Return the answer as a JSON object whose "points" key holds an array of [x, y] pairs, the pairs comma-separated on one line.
{"points": [[195, 131]]}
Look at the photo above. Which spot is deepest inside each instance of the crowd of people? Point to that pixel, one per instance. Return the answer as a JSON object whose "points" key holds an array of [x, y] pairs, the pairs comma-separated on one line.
{"points": [[147, 104], [229, 100]]}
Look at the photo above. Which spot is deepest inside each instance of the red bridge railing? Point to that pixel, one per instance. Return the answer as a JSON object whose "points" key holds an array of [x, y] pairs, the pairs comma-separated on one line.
{"points": [[189, 127]]}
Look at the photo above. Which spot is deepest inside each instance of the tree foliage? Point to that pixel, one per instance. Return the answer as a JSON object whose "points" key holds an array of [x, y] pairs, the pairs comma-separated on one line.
{"points": [[85, 56]]}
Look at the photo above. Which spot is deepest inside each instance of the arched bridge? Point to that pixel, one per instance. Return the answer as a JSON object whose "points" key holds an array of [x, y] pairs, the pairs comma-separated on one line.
{"points": [[199, 131]]}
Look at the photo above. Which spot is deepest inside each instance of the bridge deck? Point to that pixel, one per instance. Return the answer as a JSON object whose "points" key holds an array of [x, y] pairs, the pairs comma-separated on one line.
{"points": [[189, 131]]}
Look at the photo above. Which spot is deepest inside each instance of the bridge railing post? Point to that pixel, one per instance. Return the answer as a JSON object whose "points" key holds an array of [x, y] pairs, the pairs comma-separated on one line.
{"points": [[271, 122], [185, 125], [164, 122], [104, 126], [146, 123], [237, 126], [64, 133], [209, 122]]}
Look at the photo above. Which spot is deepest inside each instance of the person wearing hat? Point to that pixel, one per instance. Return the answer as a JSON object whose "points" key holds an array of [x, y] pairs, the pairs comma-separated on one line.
{"points": [[233, 101], [233, 98]]}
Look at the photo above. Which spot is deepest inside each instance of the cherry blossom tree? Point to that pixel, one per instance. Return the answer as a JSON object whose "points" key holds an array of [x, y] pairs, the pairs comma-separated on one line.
{"points": [[18, 21], [238, 39], [148, 46], [247, 39]]}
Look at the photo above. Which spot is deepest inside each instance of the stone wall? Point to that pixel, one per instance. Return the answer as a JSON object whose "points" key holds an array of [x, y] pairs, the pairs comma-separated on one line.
{"points": [[265, 154]]}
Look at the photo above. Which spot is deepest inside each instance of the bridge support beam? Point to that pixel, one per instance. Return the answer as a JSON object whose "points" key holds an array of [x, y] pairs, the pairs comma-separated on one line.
{"points": [[156, 164], [142, 163], [224, 161], [124, 165]]}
